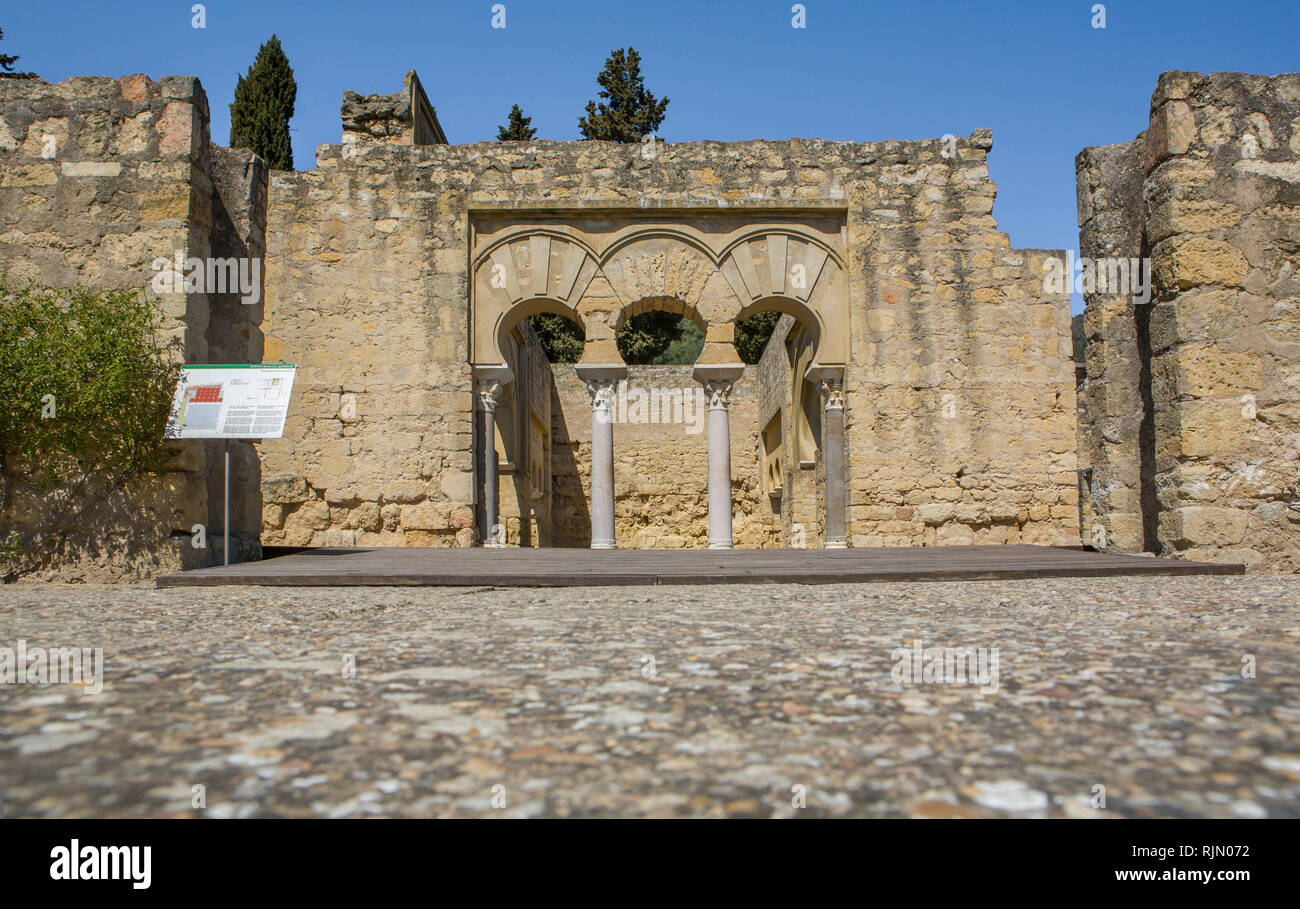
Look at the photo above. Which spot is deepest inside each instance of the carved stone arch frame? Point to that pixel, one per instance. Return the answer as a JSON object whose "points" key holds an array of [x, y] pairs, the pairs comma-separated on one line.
{"points": [[714, 279], [506, 288]]}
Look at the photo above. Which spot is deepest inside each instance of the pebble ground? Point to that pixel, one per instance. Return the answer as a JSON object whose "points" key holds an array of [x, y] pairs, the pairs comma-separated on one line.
{"points": [[727, 700]]}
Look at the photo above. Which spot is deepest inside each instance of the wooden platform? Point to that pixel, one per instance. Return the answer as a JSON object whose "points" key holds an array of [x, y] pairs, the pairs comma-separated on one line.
{"points": [[384, 567]]}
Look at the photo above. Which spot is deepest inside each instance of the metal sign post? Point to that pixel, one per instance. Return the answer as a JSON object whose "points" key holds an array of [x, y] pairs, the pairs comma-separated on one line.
{"points": [[225, 511]]}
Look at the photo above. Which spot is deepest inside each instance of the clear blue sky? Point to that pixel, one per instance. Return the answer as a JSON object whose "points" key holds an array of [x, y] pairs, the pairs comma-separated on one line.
{"points": [[1038, 73]]}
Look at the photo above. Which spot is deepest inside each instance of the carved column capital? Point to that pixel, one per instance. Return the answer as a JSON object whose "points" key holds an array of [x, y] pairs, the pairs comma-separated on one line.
{"points": [[833, 389], [603, 394], [719, 392], [489, 391]]}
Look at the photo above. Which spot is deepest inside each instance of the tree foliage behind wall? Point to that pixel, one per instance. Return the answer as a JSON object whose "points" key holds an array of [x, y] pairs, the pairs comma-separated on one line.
{"points": [[657, 338], [753, 333], [561, 338], [518, 128], [628, 112], [644, 337], [263, 107], [685, 346]]}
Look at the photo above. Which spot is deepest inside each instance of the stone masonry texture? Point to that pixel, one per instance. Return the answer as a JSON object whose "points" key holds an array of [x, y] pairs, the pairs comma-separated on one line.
{"points": [[368, 281], [1194, 398]]}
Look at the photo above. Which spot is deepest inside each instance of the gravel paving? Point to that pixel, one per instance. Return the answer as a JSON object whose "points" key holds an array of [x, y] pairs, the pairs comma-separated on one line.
{"points": [[1082, 698]]}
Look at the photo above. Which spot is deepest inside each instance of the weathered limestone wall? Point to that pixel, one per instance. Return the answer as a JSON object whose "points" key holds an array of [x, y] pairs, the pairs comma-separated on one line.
{"points": [[1109, 180], [959, 398], [960, 402], [99, 178], [1220, 216], [374, 241], [403, 118], [364, 295], [1223, 223]]}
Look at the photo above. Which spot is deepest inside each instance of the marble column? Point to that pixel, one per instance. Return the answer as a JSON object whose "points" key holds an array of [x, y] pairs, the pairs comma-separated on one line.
{"points": [[603, 392], [833, 447], [718, 382], [719, 393], [488, 392]]}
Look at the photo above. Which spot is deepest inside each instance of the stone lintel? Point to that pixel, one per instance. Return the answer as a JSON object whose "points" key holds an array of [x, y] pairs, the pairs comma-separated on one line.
{"points": [[718, 372], [591, 372], [494, 373]]}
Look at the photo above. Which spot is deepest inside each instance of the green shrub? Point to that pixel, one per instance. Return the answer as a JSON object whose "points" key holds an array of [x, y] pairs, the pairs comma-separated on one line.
{"points": [[86, 384], [685, 347]]}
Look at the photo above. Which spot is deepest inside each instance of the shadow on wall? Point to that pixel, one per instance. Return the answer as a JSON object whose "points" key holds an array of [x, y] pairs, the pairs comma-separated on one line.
{"points": [[234, 335], [570, 509]]}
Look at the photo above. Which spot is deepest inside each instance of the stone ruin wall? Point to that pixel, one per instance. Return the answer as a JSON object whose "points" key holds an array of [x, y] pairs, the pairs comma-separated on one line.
{"points": [[365, 293], [403, 118], [127, 176], [960, 399], [1194, 398], [1111, 423], [373, 244], [366, 285]]}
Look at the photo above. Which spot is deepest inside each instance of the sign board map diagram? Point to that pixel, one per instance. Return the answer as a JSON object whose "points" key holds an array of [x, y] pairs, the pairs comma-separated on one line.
{"points": [[231, 402]]}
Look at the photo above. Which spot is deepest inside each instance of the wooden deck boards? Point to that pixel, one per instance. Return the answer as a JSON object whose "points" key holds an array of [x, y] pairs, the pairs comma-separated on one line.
{"points": [[412, 566]]}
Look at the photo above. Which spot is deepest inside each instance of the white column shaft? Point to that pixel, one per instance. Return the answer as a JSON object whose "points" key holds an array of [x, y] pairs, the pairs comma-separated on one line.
{"points": [[720, 530], [602, 463]]}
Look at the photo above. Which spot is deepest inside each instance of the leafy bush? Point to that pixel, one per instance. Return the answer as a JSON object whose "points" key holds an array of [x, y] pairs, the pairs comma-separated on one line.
{"points": [[685, 348], [643, 338], [86, 384]]}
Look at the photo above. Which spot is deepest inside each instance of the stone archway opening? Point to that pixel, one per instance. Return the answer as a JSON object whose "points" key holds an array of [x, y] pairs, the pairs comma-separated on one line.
{"points": [[537, 313], [707, 277], [799, 414]]}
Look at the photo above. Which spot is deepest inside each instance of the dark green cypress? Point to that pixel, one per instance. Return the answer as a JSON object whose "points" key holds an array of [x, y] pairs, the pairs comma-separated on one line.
{"points": [[517, 127], [629, 112], [263, 106]]}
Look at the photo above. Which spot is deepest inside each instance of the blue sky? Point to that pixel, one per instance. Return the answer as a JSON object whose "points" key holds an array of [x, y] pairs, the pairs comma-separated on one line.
{"points": [[1038, 73]]}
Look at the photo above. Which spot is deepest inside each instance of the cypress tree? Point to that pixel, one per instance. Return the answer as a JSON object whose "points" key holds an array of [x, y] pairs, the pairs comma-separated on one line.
{"points": [[516, 127], [263, 106], [631, 112]]}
